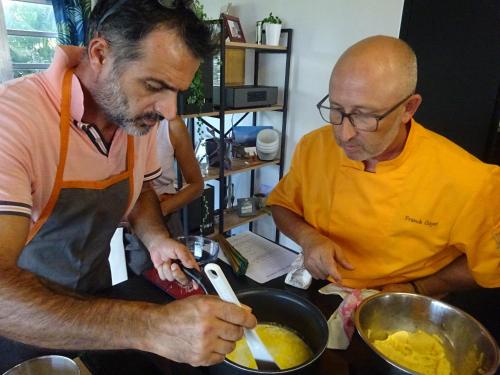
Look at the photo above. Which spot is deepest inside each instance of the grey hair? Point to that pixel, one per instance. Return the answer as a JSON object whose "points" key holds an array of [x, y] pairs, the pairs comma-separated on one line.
{"points": [[410, 67]]}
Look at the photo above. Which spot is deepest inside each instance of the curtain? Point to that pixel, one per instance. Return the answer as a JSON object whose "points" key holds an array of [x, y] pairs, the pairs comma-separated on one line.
{"points": [[71, 18], [5, 61]]}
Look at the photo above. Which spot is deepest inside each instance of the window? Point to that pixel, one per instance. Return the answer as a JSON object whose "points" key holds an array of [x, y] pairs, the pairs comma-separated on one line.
{"points": [[32, 34]]}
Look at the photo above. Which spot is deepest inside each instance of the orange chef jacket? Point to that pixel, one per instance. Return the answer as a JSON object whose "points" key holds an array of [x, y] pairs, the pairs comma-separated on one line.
{"points": [[414, 216]]}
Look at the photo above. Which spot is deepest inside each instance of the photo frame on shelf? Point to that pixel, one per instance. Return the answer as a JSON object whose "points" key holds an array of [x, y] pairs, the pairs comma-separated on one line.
{"points": [[233, 28]]}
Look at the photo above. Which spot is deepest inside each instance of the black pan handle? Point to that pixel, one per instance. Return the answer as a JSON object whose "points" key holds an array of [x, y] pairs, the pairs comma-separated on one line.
{"points": [[199, 277]]}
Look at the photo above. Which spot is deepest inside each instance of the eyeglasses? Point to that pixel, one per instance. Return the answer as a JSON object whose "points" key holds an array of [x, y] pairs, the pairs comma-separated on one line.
{"points": [[360, 121], [168, 4]]}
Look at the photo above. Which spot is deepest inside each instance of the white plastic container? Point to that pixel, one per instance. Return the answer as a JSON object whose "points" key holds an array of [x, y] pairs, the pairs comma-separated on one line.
{"points": [[268, 144]]}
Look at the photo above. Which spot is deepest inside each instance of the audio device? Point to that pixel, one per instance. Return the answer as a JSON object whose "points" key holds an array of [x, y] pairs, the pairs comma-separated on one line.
{"points": [[247, 96]]}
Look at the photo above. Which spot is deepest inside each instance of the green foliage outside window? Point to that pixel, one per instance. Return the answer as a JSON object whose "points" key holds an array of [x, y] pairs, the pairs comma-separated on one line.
{"points": [[31, 50], [30, 17]]}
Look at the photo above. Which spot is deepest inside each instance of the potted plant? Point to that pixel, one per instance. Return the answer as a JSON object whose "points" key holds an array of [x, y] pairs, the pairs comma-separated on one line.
{"points": [[272, 26]]}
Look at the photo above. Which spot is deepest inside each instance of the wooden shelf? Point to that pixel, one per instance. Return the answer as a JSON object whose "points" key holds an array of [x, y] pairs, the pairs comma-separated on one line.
{"points": [[236, 53], [254, 46], [232, 220], [239, 110], [238, 166]]}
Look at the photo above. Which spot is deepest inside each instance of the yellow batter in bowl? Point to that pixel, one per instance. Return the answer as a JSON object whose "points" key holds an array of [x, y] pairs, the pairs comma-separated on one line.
{"points": [[285, 346], [417, 351]]}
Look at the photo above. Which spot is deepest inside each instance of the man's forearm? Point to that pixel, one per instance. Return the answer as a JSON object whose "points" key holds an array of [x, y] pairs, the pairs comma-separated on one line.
{"points": [[146, 218], [33, 314], [322, 258], [172, 202], [454, 277], [293, 225]]}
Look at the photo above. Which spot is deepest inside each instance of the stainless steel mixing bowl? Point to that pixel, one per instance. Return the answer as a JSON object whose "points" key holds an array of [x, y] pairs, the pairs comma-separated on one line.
{"points": [[46, 365], [468, 345]]}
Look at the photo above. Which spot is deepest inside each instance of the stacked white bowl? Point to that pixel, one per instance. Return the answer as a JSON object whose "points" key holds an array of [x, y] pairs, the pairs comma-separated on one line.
{"points": [[268, 144]]}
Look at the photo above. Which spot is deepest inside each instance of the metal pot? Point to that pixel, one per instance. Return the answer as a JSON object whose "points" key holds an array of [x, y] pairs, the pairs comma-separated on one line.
{"points": [[46, 365], [291, 311]]}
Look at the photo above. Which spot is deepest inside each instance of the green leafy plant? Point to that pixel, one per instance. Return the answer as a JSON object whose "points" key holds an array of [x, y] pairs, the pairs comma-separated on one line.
{"points": [[198, 9], [196, 95], [197, 87], [272, 19]]}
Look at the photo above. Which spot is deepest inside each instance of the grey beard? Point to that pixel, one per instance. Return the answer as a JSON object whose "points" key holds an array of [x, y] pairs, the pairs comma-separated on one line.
{"points": [[114, 104], [134, 128]]}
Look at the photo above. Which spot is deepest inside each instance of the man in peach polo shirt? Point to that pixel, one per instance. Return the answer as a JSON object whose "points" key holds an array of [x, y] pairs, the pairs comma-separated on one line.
{"points": [[375, 200], [78, 152]]}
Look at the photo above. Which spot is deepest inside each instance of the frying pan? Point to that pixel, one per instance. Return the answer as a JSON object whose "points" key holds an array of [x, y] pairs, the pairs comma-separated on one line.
{"points": [[280, 307]]}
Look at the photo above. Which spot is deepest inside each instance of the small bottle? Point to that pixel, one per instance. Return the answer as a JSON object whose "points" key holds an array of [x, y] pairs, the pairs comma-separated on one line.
{"points": [[258, 37]]}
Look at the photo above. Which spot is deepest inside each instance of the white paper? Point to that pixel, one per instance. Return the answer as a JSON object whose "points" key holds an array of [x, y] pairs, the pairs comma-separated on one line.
{"points": [[266, 260], [116, 258]]}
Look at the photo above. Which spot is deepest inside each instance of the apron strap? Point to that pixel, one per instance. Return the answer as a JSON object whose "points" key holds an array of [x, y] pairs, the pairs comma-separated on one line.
{"points": [[64, 124]]}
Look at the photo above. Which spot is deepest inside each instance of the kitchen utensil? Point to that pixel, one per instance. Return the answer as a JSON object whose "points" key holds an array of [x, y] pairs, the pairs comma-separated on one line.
{"points": [[469, 347], [262, 357], [290, 311], [196, 276], [46, 365]]}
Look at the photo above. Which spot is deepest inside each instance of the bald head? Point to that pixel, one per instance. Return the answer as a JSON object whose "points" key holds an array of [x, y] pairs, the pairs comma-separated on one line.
{"points": [[385, 64]]}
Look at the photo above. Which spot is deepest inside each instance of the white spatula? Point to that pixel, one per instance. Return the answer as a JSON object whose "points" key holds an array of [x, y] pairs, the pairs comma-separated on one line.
{"points": [[259, 351]]}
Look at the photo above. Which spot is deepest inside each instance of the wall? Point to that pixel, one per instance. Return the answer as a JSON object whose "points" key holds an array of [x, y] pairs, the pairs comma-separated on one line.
{"points": [[323, 29]]}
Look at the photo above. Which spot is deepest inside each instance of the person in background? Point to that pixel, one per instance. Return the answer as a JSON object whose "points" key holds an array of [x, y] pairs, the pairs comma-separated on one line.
{"points": [[375, 200], [78, 154], [173, 142]]}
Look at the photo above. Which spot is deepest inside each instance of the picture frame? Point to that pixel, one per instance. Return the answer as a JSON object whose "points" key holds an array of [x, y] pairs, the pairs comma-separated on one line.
{"points": [[233, 28]]}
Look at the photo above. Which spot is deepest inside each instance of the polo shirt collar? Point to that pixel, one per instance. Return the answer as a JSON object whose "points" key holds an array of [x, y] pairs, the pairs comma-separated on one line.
{"points": [[66, 57]]}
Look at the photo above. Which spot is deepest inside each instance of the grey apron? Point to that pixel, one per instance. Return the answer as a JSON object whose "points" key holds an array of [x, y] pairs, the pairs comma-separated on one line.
{"points": [[137, 255], [70, 243]]}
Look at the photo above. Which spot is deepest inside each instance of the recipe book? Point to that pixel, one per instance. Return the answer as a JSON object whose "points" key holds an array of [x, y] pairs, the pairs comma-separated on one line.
{"points": [[266, 259]]}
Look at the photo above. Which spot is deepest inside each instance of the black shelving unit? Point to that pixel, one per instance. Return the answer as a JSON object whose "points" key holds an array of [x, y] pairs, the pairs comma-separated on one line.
{"points": [[222, 111]]}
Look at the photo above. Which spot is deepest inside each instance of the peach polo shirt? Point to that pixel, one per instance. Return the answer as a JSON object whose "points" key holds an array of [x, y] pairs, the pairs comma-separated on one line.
{"points": [[411, 218], [29, 145]]}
